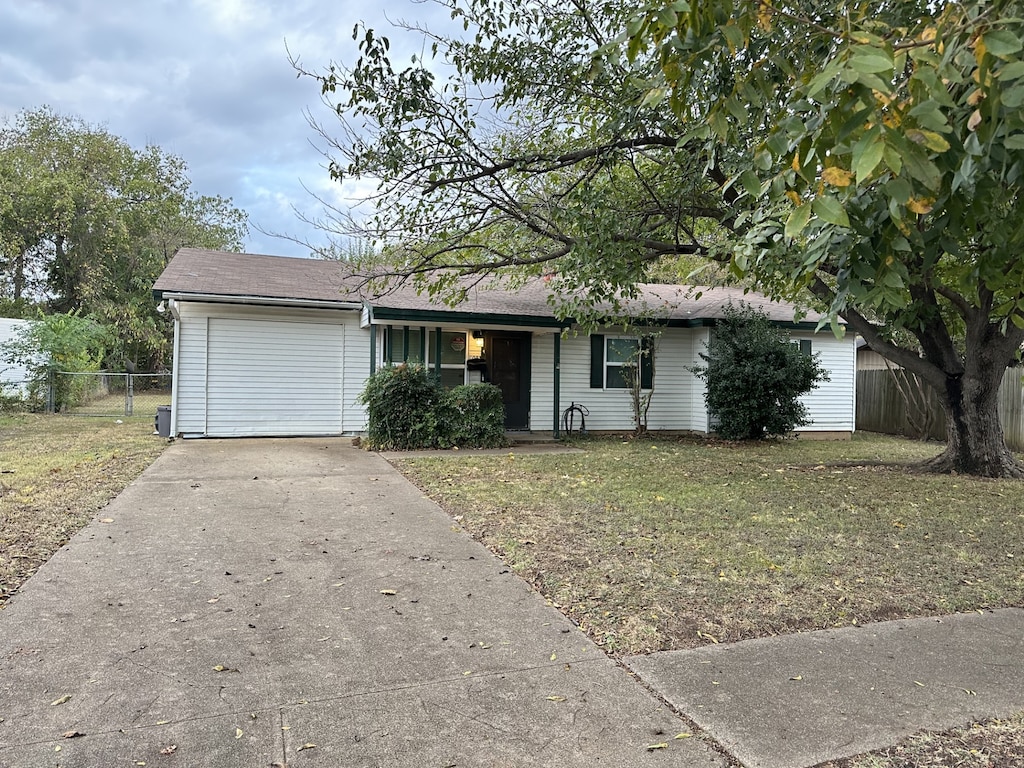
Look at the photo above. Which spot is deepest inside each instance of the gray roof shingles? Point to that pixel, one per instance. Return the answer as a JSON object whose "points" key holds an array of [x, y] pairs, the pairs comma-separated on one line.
{"points": [[266, 278]]}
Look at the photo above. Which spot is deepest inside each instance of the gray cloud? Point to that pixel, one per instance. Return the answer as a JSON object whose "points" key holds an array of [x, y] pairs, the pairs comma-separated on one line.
{"points": [[208, 80]]}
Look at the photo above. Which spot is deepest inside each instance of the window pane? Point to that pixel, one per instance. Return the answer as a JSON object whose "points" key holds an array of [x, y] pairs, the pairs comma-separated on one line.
{"points": [[413, 353], [453, 348], [615, 379], [452, 377], [621, 350]]}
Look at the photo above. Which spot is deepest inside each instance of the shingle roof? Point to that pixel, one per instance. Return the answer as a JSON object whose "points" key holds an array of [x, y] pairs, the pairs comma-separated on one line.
{"points": [[219, 273]]}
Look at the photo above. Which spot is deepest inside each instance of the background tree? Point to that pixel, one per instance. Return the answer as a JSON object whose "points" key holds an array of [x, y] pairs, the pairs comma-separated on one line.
{"points": [[755, 377], [865, 156], [58, 344], [87, 223]]}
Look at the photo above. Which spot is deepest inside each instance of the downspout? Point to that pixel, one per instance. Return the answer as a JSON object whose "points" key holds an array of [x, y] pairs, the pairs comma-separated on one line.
{"points": [[174, 366]]}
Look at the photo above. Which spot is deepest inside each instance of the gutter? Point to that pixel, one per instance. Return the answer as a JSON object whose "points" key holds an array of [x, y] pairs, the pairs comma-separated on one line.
{"points": [[218, 298]]}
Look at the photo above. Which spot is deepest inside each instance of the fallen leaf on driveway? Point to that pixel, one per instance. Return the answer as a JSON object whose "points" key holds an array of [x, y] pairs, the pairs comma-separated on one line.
{"points": [[72, 734], [556, 698], [239, 733], [222, 668], [660, 745], [389, 592], [307, 745], [62, 700], [107, 520], [170, 749]]}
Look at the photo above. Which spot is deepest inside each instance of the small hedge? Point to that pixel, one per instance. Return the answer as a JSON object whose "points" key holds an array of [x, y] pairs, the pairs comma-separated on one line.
{"points": [[408, 410]]}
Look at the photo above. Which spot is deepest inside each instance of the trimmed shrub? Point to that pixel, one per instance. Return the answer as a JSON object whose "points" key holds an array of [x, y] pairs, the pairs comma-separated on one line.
{"points": [[475, 416], [408, 410], [755, 377], [401, 403]]}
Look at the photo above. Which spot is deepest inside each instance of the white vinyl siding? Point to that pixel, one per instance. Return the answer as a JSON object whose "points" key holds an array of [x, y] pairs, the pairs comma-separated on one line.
{"points": [[831, 406], [248, 371], [678, 400], [542, 382], [673, 404], [13, 376]]}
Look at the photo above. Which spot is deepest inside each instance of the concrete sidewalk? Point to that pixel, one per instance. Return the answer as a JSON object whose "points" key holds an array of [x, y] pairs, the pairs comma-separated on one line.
{"points": [[251, 598], [255, 603], [799, 700]]}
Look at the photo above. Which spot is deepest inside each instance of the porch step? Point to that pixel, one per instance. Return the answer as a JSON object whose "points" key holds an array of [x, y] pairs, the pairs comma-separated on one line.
{"points": [[530, 438]]}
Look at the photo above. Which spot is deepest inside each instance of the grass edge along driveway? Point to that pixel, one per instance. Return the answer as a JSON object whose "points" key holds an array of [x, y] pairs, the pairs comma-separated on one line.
{"points": [[56, 473]]}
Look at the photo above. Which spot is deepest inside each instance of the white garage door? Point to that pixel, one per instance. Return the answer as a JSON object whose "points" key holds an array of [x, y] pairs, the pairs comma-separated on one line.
{"points": [[272, 377]]}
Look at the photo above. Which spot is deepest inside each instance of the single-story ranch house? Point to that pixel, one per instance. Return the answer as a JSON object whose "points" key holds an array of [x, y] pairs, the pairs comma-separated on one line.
{"points": [[274, 346]]}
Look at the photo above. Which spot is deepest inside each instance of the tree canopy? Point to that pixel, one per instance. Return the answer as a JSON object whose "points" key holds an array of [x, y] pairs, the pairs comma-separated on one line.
{"points": [[866, 156], [87, 223]]}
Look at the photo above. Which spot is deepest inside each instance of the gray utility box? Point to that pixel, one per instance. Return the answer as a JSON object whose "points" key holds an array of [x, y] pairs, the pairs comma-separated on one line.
{"points": [[162, 422]]}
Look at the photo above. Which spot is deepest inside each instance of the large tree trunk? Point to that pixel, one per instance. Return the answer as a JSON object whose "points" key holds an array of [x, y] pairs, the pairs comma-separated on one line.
{"points": [[974, 435]]}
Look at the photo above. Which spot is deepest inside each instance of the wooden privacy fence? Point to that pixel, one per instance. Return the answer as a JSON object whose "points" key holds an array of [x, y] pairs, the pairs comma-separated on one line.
{"points": [[882, 408]]}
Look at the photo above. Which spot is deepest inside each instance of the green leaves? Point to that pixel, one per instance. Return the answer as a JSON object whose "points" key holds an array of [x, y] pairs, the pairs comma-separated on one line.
{"points": [[1002, 43], [867, 154], [831, 210], [797, 221], [871, 60]]}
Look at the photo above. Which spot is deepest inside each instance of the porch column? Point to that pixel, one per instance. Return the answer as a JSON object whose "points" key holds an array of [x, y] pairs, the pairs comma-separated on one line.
{"points": [[558, 382], [437, 352], [389, 341], [373, 349]]}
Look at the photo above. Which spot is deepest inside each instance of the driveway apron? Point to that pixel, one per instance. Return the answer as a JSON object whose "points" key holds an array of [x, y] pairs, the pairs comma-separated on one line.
{"points": [[298, 602]]}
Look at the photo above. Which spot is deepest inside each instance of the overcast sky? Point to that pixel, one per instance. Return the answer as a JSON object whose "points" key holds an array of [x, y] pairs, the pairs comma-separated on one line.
{"points": [[208, 80]]}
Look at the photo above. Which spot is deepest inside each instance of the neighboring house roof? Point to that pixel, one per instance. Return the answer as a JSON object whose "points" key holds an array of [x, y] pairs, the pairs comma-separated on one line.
{"points": [[212, 275]]}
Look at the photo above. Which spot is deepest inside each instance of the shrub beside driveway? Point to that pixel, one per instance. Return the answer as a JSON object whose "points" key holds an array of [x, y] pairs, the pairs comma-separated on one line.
{"points": [[56, 472]]}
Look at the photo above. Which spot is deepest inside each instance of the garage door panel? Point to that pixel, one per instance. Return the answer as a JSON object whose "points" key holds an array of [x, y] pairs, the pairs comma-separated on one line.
{"points": [[271, 377]]}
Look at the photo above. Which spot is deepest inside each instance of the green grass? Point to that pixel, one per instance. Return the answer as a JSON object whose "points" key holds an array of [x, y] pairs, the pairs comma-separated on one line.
{"points": [[56, 472], [658, 544]]}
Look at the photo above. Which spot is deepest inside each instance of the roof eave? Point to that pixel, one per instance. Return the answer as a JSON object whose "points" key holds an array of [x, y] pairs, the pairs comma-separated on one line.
{"points": [[266, 301]]}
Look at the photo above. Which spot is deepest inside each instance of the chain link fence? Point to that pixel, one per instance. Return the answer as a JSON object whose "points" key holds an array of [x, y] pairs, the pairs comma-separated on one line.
{"points": [[99, 394]]}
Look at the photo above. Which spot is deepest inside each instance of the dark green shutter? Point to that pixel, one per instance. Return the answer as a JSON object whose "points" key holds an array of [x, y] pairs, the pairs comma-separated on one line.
{"points": [[596, 361], [646, 362]]}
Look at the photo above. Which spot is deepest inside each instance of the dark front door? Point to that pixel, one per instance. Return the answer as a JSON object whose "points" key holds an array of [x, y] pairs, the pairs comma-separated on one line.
{"points": [[508, 368]]}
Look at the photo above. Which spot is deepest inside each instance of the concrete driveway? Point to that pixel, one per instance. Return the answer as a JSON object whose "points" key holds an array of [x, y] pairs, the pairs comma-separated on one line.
{"points": [[297, 602]]}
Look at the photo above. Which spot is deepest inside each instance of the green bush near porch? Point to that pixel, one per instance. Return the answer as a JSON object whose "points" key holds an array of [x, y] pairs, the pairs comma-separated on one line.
{"points": [[409, 410]]}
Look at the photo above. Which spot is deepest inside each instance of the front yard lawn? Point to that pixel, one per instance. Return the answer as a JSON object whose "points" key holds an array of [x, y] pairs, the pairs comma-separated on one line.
{"points": [[56, 472], [659, 544]]}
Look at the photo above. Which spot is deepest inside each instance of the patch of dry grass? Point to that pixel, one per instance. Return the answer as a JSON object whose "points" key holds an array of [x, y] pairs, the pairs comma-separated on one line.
{"points": [[991, 744], [56, 472], [659, 544]]}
